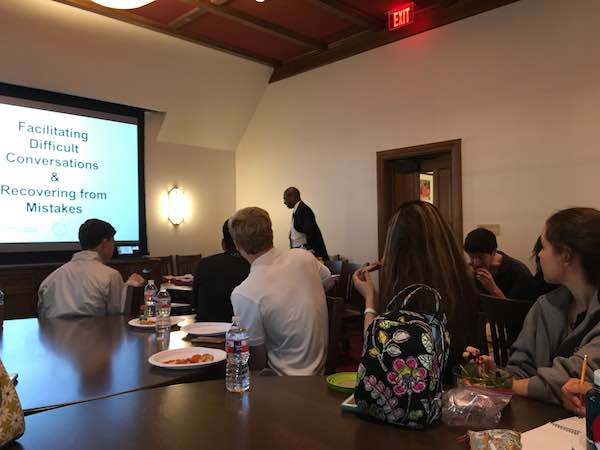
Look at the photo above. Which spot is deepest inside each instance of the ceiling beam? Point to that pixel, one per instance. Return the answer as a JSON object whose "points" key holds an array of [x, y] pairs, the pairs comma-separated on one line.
{"points": [[258, 24], [186, 18], [136, 20], [350, 14], [430, 19]]}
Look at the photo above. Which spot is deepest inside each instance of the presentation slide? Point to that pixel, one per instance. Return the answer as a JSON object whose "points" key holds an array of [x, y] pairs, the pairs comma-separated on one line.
{"points": [[60, 169]]}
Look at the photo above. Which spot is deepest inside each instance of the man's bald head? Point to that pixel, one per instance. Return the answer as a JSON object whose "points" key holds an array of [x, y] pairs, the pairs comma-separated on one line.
{"points": [[291, 196]]}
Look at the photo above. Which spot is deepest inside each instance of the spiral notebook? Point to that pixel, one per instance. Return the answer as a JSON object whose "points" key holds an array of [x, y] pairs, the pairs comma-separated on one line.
{"points": [[566, 434]]}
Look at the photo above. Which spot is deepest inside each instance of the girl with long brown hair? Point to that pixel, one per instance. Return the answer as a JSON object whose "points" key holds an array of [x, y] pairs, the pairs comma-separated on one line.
{"points": [[421, 248]]}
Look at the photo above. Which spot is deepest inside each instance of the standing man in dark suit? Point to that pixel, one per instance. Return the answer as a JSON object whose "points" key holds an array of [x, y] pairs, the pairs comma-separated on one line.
{"points": [[304, 231]]}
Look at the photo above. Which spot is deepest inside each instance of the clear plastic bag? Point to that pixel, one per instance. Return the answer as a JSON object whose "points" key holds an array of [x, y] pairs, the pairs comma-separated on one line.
{"points": [[476, 408]]}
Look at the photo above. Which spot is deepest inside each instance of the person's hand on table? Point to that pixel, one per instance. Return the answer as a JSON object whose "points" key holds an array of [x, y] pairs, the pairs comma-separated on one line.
{"points": [[573, 392], [486, 280], [135, 279]]}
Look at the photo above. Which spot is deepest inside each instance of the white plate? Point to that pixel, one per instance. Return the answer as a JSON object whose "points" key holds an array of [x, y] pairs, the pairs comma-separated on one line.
{"points": [[136, 322], [207, 328], [158, 359]]}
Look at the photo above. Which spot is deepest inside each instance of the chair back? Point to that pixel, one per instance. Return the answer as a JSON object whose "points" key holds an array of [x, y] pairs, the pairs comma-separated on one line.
{"points": [[186, 263], [134, 299], [353, 299], [335, 267], [335, 311], [505, 318], [166, 266]]}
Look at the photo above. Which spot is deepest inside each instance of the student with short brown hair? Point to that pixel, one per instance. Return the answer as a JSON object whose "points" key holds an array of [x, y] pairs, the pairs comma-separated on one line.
{"points": [[282, 302]]}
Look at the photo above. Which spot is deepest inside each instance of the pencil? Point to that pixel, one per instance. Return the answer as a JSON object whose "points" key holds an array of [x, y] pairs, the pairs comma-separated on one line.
{"points": [[583, 369]]}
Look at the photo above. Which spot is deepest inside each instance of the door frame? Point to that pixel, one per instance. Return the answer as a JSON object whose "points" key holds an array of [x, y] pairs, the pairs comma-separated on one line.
{"points": [[385, 160]]}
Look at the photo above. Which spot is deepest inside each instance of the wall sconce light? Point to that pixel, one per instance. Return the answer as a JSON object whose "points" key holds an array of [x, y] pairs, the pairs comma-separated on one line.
{"points": [[123, 4], [177, 207]]}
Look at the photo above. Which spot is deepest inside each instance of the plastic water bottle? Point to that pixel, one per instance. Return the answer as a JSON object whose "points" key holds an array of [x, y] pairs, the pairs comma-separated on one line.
{"points": [[163, 313], [150, 291], [237, 375], [592, 406], [163, 303]]}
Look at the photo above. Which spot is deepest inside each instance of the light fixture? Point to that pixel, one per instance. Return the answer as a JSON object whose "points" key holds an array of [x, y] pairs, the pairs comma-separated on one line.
{"points": [[123, 4], [176, 206]]}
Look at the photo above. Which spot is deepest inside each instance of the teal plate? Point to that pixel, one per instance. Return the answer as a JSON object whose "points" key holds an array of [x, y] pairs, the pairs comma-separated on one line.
{"points": [[342, 381]]}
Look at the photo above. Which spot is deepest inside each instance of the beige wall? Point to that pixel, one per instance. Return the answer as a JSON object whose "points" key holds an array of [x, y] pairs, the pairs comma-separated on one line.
{"points": [[207, 177], [520, 85], [207, 96]]}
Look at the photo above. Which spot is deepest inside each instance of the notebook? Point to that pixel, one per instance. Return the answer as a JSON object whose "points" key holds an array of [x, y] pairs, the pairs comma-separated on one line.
{"points": [[566, 434]]}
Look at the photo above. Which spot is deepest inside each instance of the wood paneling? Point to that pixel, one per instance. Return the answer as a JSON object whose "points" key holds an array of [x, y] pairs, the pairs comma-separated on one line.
{"points": [[20, 283], [388, 164]]}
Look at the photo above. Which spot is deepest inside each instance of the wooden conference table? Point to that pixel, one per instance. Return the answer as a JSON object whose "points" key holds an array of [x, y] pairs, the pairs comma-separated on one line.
{"points": [[277, 413], [63, 361]]}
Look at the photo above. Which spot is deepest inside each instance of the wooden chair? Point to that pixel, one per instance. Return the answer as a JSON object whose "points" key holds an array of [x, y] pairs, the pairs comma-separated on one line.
{"points": [[335, 267], [335, 310], [185, 263], [166, 265], [134, 299], [505, 318]]}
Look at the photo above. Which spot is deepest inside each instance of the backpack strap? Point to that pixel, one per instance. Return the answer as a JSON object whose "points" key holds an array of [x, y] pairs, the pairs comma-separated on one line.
{"points": [[408, 292]]}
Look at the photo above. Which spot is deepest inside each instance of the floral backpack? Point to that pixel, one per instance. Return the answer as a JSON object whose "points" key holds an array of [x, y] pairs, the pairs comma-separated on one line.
{"points": [[404, 354], [12, 422]]}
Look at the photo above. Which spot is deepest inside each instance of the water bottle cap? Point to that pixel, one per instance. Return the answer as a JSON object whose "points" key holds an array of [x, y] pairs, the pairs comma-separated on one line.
{"points": [[597, 377], [150, 281], [235, 319]]}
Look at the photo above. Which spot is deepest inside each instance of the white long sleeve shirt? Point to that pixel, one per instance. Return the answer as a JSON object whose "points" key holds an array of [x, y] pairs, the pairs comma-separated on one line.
{"points": [[84, 286]]}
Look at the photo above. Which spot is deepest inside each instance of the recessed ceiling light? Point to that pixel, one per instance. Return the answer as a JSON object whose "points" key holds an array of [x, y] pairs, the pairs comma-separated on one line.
{"points": [[260, 1], [123, 4]]}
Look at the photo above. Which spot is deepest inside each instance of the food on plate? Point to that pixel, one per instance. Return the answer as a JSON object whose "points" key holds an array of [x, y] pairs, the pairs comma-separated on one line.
{"points": [[194, 359], [146, 321]]}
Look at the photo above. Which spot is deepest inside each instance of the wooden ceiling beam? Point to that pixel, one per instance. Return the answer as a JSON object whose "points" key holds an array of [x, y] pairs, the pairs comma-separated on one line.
{"points": [[186, 18], [432, 18], [258, 24], [350, 14], [136, 20]]}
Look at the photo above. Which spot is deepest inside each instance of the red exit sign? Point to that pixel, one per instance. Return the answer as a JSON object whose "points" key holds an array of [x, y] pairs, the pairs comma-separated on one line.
{"points": [[401, 16]]}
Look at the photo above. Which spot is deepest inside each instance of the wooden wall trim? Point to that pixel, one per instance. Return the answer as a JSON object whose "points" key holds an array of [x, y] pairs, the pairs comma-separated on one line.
{"points": [[384, 178]]}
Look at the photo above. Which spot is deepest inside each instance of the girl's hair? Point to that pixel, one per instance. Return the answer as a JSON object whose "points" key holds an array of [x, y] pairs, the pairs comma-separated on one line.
{"points": [[578, 230], [421, 248]]}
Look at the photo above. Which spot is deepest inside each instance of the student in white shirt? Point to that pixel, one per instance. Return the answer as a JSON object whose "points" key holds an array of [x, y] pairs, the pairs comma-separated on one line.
{"points": [[85, 286], [282, 302]]}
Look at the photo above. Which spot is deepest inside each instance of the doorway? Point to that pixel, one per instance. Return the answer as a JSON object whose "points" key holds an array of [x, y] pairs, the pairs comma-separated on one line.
{"points": [[429, 172]]}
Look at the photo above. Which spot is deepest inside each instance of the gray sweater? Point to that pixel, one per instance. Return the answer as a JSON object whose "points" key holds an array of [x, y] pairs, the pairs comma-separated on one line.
{"points": [[547, 353]]}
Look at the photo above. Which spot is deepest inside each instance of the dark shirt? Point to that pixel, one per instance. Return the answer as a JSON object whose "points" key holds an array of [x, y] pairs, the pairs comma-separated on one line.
{"points": [[532, 288], [510, 275], [305, 222], [215, 277]]}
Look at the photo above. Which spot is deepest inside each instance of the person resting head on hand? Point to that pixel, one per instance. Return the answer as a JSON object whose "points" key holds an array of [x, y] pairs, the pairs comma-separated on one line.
{"points": [[563, 325]]}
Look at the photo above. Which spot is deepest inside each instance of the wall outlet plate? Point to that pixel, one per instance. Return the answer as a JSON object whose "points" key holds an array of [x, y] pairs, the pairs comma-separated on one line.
{"points": [[493, 227]]}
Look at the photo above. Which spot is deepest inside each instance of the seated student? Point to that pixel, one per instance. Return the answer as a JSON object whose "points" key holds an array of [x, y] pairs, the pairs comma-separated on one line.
{"points": [[534, 287], [496, 272], [215, 277], [563, 325], [282, 302], [420, 248], [85, 286]]}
